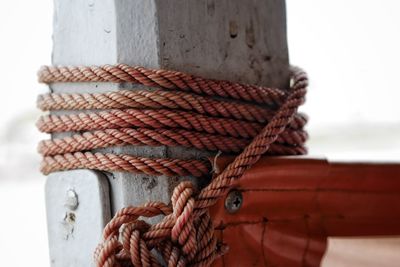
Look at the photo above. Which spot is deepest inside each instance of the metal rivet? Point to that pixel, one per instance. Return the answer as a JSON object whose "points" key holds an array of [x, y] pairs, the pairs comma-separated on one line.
{"points": [[71, 200], [233, 201]]}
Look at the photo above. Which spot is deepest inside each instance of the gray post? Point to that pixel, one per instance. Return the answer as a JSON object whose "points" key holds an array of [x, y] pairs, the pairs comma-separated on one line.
{"points": [[235, 40]]}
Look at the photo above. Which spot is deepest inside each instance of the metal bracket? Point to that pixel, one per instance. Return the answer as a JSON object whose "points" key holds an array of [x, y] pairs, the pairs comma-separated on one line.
{"points": [[78, 207]]}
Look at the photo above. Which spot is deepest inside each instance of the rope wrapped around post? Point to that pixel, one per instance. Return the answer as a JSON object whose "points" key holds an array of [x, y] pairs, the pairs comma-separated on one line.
{"points": [[185, 236]]}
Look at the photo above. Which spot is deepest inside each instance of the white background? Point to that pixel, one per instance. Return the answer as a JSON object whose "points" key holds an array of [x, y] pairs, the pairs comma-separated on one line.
{"points": [[349, 48]]}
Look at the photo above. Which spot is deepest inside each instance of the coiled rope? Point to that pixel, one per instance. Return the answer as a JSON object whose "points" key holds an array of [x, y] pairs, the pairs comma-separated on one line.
{"points": [[183, 110]]}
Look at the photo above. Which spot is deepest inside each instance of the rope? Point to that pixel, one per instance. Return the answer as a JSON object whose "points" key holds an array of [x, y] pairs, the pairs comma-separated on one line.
{"points": [[125, 163], [114, 119], [155, 100], [165, 79], [183, 110], [288, 143]]}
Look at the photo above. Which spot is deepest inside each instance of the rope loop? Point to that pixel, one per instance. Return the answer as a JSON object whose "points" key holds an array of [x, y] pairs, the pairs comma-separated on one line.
{"points": [[185, 110]]}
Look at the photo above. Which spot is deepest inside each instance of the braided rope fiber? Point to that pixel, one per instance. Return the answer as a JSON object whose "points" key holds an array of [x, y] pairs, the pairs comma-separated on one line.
{"points": [[178, 110]]}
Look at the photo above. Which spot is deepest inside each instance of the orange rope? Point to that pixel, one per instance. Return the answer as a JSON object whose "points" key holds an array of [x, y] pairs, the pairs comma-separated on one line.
{"points": [[125, 163], [115, 118], [165, 79], [288, 143], [155, 100], [189, 115]]}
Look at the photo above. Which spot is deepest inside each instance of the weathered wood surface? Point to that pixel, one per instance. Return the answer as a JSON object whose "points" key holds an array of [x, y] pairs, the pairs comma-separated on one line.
{"points": [[236, 40]]}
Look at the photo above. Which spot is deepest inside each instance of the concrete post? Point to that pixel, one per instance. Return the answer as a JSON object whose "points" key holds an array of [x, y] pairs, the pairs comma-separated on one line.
{"points": [[236, 40]]}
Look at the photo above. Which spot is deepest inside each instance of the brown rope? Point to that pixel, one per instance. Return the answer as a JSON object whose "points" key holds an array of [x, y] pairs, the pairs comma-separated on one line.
{"points": [[162, 78], [288, 143], [125, 163], [155, 100], [115, 118], [186, 234]]}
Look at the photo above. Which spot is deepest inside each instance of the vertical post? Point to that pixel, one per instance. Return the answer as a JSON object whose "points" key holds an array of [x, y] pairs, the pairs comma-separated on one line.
{"points": [[234, 40]]}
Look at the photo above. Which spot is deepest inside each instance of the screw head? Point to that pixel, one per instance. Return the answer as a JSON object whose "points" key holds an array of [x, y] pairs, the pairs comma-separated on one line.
{"points": [[71, 200], [233, 201]]}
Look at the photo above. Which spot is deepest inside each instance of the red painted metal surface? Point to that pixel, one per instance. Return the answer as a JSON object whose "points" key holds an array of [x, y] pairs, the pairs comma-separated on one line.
{"points": [[290, 206]]}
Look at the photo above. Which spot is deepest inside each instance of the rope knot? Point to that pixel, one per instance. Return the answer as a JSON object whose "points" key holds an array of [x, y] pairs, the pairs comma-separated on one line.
{"points": [[188, 111], [180, 238]]}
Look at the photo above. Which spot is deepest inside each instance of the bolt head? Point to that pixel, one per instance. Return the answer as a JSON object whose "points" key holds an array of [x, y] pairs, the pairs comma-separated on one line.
{"points": [[71, 200], [234, 201]]}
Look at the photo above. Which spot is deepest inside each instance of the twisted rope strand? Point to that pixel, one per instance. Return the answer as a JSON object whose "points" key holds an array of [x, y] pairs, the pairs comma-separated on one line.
{"points": [[162, 78], [159, 99], [287, 143], [125, 163], [114, 119]]}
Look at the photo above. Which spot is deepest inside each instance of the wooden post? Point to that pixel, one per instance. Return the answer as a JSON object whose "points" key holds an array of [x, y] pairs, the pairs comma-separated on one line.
{"points": [[236, 40]]}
